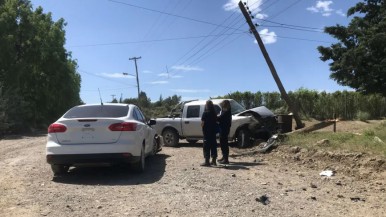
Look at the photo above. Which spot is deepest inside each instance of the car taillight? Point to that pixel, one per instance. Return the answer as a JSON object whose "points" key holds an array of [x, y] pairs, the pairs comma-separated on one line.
{"points": [[57, 128], [125, 126]]}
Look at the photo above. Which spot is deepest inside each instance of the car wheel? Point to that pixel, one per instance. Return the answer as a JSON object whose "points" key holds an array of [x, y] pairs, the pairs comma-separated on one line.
{"points": [[244, 138], [192, 141], [140, 165], [170, 137], [59, 169], [155, 147]]}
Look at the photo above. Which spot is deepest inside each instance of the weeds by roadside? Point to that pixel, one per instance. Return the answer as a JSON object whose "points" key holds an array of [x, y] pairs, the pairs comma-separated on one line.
{"points": [[371, 140]]}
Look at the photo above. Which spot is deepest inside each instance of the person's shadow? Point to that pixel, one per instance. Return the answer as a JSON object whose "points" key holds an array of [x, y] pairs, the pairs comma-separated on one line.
{"points": [[115, 174]]}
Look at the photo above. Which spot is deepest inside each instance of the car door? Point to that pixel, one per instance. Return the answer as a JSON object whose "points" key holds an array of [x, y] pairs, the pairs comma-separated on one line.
{"points": [[191, 121], [145, 128]]}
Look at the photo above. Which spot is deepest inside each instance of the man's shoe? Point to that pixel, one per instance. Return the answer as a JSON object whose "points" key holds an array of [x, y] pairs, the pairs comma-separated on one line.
{"points": [[224, 161], [213, 162], [206, 163]]}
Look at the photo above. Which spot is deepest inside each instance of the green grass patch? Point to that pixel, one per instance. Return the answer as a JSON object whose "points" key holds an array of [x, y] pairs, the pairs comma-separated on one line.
{"points": [[372, 140]]}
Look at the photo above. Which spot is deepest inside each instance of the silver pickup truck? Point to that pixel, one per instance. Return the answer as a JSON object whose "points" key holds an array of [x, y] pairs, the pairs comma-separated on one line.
{"points": [[184, 122]]}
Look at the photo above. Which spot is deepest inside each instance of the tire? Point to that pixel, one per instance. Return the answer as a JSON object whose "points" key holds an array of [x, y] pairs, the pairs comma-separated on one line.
{"points": [[155, 146], [192, 141], [170, 137], [139, 166], [243, 138], [59, 169]]}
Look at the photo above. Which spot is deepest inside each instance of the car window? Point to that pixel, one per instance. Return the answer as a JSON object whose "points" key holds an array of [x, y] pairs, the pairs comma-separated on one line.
{"points": [[97, 111], [236, 107], [135, 115], [139, 116], [193, 111]]}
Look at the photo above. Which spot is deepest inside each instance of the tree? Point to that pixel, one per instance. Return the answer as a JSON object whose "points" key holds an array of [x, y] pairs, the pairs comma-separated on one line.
{"points": [[359, 59], [36, 71]]}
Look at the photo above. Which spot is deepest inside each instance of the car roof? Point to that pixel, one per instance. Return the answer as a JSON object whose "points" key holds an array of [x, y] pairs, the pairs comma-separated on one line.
{"points": [[109, 104], [202, 102]]}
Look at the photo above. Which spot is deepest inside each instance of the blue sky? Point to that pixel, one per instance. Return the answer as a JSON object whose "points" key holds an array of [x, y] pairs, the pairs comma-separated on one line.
{"points": [[196, 48]]}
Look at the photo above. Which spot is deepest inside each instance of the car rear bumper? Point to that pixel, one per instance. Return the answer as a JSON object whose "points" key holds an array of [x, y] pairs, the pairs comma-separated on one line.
{"points": [[78, 159]]}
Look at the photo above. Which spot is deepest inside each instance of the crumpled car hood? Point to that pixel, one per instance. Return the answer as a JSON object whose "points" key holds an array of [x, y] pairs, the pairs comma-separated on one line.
{"points": [[262, 111]]}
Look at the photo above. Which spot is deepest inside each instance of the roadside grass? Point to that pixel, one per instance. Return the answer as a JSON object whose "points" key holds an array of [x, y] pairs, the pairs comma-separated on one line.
{"points": [[371, 140]]}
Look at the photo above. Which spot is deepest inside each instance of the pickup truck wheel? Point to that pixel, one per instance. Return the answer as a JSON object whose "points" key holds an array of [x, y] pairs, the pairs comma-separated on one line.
{"points": [[192, 141], [243, 138], [170, 137]]}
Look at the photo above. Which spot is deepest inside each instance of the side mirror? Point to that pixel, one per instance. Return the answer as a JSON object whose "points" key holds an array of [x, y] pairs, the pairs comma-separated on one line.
{"points": [[152, 122]]}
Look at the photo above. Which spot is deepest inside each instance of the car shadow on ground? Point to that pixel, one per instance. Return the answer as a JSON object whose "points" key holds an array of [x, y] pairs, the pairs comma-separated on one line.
{"points": [[115, 175]]}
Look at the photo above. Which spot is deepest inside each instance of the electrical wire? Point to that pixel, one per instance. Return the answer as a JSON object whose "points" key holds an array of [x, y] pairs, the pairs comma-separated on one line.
{"points": [[166, 13], [102, 77], [149, 41]]}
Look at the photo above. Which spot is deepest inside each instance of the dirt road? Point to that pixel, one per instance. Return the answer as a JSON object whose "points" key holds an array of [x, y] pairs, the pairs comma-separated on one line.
{"points": [[174, 185]]}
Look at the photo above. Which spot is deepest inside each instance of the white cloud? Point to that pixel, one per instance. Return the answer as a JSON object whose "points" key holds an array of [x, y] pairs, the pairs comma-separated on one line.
{"points": [[158, 82], [116, 75], [190, 90], [324, 8], [186, 68], [233, 5], [324, 5], [340, 12], [253, 5], [267, 36], [313, 9], [166, 75], [147, 72]]}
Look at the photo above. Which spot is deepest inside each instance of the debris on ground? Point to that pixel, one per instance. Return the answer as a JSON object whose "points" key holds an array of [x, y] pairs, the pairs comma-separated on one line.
{"points": [[357, 199], [327, 173], [263, 199]]}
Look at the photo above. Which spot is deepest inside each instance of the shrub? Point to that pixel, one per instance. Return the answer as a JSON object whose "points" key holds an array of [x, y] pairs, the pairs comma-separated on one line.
{"points": [[363, 116]]}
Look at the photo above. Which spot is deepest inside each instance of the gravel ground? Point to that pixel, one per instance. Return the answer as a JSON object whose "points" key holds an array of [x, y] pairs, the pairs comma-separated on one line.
{"points": [[276, 184]]}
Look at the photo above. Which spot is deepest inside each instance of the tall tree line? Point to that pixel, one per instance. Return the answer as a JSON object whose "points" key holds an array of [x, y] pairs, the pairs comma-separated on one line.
{"points": [[320, 105], [38, 77], [313, 104]]}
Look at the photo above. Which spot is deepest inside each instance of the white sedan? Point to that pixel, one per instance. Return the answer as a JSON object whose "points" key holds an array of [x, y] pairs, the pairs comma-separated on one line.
{"points": [[101, 133]]}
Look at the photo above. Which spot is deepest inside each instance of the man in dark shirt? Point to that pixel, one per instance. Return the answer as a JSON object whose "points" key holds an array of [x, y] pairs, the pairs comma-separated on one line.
{"points": [[209, 125], [225, 122]]}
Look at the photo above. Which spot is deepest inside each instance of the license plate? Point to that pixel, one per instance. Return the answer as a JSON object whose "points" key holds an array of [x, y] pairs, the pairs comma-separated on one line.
{"points": [[88, 129]]}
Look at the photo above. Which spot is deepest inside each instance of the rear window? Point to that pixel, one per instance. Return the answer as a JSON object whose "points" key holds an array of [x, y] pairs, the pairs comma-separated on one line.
{"points": [[97, 111]]}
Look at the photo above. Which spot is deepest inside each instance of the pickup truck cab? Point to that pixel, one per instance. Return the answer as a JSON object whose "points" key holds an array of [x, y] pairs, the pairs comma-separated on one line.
{"points": [[184, 122]]}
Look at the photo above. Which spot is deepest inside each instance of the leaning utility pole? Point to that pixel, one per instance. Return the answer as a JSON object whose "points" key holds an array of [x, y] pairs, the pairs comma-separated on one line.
{"points": [[283, 93], [136, 70]]}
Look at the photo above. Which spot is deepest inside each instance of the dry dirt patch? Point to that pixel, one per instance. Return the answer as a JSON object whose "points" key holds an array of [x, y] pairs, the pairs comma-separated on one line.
{"points": [[174, 185]]}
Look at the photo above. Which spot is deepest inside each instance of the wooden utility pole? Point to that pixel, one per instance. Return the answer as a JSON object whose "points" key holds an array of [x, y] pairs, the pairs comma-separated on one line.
{"points": [[136, 70], [283, 93]]}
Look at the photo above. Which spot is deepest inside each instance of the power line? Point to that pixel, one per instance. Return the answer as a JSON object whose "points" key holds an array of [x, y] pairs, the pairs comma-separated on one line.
{"points": [[150, 41], [102, 77], [166, 13], [285, 9], [290, 25], [293, 28]]}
